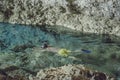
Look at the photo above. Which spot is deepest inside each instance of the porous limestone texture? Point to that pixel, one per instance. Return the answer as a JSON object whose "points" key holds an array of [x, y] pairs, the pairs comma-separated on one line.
{"points": [[70, 72], [89, 16]]}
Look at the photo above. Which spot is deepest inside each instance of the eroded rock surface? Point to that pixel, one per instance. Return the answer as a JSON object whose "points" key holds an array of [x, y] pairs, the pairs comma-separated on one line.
{"points": [[70, 72], [91, 16]]}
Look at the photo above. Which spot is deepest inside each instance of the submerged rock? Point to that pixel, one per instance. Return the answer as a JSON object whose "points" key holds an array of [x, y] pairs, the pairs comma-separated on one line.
{"points": [[71, 72], [21, 48]]}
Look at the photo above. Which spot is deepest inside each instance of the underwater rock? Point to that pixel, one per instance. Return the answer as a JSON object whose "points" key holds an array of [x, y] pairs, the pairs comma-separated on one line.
{"points": [[2, 45], [71, 72], [14, 73], [17, 77], [4, 75], [21, 48]]}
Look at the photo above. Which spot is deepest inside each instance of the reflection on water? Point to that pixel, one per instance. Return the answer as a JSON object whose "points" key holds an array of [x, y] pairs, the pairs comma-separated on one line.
{"points": [[19, 45]]}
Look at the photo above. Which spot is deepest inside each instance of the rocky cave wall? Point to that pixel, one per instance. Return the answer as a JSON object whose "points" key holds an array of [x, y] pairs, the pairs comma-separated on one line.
{"points": [[91, 16]]}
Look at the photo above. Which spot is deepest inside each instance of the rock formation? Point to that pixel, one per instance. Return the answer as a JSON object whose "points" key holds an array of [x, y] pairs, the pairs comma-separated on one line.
{"points": [[90, 16], [70, 72]]}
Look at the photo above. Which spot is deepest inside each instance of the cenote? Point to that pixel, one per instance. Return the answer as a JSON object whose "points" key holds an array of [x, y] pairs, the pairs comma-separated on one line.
{"points": [[20, 47]]}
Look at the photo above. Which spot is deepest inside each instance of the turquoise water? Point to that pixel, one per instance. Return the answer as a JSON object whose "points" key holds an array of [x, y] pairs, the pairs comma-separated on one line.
{"points": [[17, 43]]}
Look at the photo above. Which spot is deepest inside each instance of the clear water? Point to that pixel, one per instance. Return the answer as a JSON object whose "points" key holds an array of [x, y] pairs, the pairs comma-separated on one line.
{"points": [[104, 56]]}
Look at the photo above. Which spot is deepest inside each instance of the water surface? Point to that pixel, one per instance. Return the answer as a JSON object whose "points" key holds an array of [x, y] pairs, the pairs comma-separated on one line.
{"points": [[19, 46]]}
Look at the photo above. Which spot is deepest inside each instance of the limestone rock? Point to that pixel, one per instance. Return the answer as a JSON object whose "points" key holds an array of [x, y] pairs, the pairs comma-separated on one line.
{"points": [[70, 72], [91, 16]]}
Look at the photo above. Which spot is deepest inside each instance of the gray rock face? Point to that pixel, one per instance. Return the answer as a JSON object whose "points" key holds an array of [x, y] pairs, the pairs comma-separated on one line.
{"points": [[91, 16], [70, 72]]}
